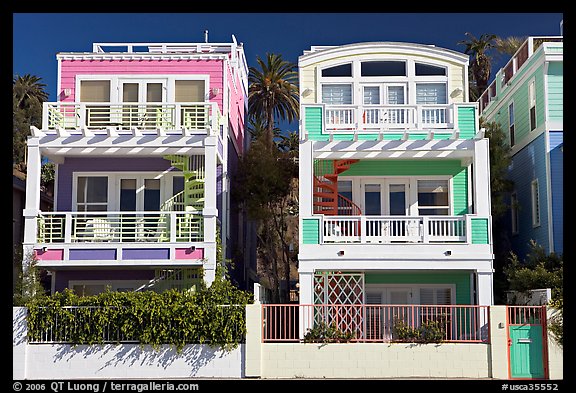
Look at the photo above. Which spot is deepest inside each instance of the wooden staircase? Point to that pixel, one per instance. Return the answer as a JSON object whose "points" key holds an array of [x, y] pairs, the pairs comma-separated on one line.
{"points": [[326, 199]]}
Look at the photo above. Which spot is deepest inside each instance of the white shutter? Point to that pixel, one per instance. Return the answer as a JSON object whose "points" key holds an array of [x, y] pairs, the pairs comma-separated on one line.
{"points": [[337, 94]]}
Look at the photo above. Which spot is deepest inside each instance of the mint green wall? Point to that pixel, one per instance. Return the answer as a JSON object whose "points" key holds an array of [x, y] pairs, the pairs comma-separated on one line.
{"points": [[419, 168], [467, 122], [310, 231], [479, 231], [555, 91], [313, 123], [460, 279]]}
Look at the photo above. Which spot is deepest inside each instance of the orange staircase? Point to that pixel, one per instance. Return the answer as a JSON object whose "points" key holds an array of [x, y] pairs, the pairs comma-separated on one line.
{"points": [[326, 199]]}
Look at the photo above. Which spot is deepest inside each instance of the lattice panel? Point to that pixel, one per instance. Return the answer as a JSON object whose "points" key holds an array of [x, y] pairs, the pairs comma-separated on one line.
{"points": [[339, 288]]}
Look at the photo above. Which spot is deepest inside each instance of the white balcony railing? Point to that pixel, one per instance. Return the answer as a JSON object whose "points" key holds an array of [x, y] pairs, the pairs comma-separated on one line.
{"points": [[194, 116], [120, 227], [388, 117], [393, 229]]}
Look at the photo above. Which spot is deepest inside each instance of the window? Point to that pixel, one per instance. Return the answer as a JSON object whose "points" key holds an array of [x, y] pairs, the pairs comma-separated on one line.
{"points": [[189, 91], [345, 188], [337, 94], [92, 193], [440, 296], [371, 95], [396, 95], [514, 212], [535, 203], [511, 123], [431, 93], [427, 69], [95, 91], [338, 71], [88, 289], [383, 68], [532, 104], [433, 198]]}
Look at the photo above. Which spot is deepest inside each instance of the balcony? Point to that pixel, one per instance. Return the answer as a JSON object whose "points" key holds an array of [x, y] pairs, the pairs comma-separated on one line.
{"points": [[388, 117], [465, 229], [83, 118], [120, 227]]}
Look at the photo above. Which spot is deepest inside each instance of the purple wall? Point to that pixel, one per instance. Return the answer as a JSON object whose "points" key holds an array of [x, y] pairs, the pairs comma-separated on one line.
{"points": [[63, 276], [80, 164], [92, 254], [145, 253]]}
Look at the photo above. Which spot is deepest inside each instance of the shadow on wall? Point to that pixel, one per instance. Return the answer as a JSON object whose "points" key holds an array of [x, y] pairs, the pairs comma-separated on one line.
{"points": [[194, 356], [19, 326]]}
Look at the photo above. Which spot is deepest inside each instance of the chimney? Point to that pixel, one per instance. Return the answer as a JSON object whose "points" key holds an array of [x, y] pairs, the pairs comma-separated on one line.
{"points": [[206, 36]]}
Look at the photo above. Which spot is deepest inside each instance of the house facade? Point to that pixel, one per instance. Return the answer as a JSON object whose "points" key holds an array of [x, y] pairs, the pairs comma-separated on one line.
{"points": [[526, 99], [394, 179], [145, 138]]}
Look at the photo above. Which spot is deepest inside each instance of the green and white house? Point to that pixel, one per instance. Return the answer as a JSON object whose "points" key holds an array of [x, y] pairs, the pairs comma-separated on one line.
{"points": [[526, 99], [394, 178]]}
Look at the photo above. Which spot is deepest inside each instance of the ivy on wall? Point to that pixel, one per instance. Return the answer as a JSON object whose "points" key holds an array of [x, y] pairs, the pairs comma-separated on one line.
{"points": [[214, 316]]}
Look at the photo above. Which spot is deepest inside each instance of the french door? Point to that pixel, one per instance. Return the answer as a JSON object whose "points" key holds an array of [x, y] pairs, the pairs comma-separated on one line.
{"points": [[139, 97]]}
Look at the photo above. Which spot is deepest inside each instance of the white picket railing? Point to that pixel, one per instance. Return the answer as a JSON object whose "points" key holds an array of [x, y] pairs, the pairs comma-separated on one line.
{"points": [[387, 229], [387, 117], [121, 227], [74, 116]]}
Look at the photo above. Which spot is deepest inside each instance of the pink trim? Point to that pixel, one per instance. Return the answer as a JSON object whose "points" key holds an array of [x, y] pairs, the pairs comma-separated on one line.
{"points": [[49, 255], [187, 253]]}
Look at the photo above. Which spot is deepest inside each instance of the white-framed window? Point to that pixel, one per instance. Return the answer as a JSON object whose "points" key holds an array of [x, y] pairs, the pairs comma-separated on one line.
{"points": [[92, 193], [514, 212], [337, 94], [388, 94], [511, 121], [440, 296], [95, 287], [431, 93], [532, 103], [433, 197], [535, 194]]}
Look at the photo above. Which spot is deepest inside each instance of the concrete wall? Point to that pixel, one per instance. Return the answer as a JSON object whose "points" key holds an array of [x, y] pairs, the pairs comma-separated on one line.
{"points": [[364, 360]]}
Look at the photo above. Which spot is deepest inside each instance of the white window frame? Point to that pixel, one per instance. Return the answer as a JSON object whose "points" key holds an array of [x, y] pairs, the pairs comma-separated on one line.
{"points": [[169, 83], [338, 83], [515, 224], [450, 201], [383, 92], [166, 185], [511, 105], [532, 104], [414, 290], [535, 202]]}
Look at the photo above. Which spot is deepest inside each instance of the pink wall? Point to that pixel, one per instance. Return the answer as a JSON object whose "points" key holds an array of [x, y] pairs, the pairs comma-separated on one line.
{"points": [[186, 253], [49, 255], [236, 115], [71, 68]]}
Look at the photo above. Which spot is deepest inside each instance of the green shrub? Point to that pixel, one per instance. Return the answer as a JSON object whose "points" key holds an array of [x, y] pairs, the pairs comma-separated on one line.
{"points": [[324, 333], [428, 332]]}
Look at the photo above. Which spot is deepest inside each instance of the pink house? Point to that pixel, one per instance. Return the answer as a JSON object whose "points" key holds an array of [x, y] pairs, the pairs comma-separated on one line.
{"points": [[145, 138]]}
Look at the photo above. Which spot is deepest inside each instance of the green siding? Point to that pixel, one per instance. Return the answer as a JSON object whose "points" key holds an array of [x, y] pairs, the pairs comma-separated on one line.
{"points": [[467, 122], [313, 123], [310, 231], [419, 168], [460, 279], [555, 91], [479, 231]]}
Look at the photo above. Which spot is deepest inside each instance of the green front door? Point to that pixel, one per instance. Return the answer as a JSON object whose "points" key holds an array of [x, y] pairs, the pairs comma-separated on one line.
{"points": [[526, 351]]}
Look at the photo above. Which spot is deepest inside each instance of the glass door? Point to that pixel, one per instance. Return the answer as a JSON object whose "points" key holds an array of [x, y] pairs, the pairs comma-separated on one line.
{"points": [[136, 96], [139, 194]]}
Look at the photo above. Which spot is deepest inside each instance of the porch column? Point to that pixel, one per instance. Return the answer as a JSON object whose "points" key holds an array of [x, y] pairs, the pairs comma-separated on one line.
{"points": [[482, 178], [484, 290], [32, 208], [306, 281], [306, 171], [210, 211]]}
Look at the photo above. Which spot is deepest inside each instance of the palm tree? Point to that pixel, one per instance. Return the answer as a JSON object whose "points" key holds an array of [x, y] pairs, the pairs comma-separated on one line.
{"points": [[28, 90], [508, 45], [482, 62], [290, 143], [273, 92], [257, 128]]}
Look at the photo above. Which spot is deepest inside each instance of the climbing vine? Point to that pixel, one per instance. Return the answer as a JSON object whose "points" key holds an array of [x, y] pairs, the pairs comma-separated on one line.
{"points": [[214, 316]]}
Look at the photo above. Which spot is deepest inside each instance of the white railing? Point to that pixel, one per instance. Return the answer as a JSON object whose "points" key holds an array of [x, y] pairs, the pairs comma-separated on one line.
{"points": [[125, 116], [120, 227], [387, 229], [388, 117]]}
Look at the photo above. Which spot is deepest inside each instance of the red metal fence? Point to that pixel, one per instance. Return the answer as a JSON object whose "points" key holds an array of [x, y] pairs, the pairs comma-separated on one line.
{"points": [[377, 323]]}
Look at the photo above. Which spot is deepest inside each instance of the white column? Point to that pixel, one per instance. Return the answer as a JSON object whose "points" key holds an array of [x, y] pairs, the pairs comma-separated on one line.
{"points": [[210, 211], [482, 178], [484, 289], [19, 342], [30, 213], [306, 171], [306, 281]]}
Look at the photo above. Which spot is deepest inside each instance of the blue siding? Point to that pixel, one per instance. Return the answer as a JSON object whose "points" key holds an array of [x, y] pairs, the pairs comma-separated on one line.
{"points": [[527, 165], [556, 139]]}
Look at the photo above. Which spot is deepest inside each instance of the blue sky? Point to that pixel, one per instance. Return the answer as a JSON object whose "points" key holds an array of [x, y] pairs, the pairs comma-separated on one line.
{"points": [[38, 37]]}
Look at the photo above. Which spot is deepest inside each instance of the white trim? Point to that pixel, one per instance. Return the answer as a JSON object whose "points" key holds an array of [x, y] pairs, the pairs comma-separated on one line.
{"points": [[140, 56], [532, 81], [59, 80], [412, 287], [56, 170], [549, 193], [513, 105]]}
